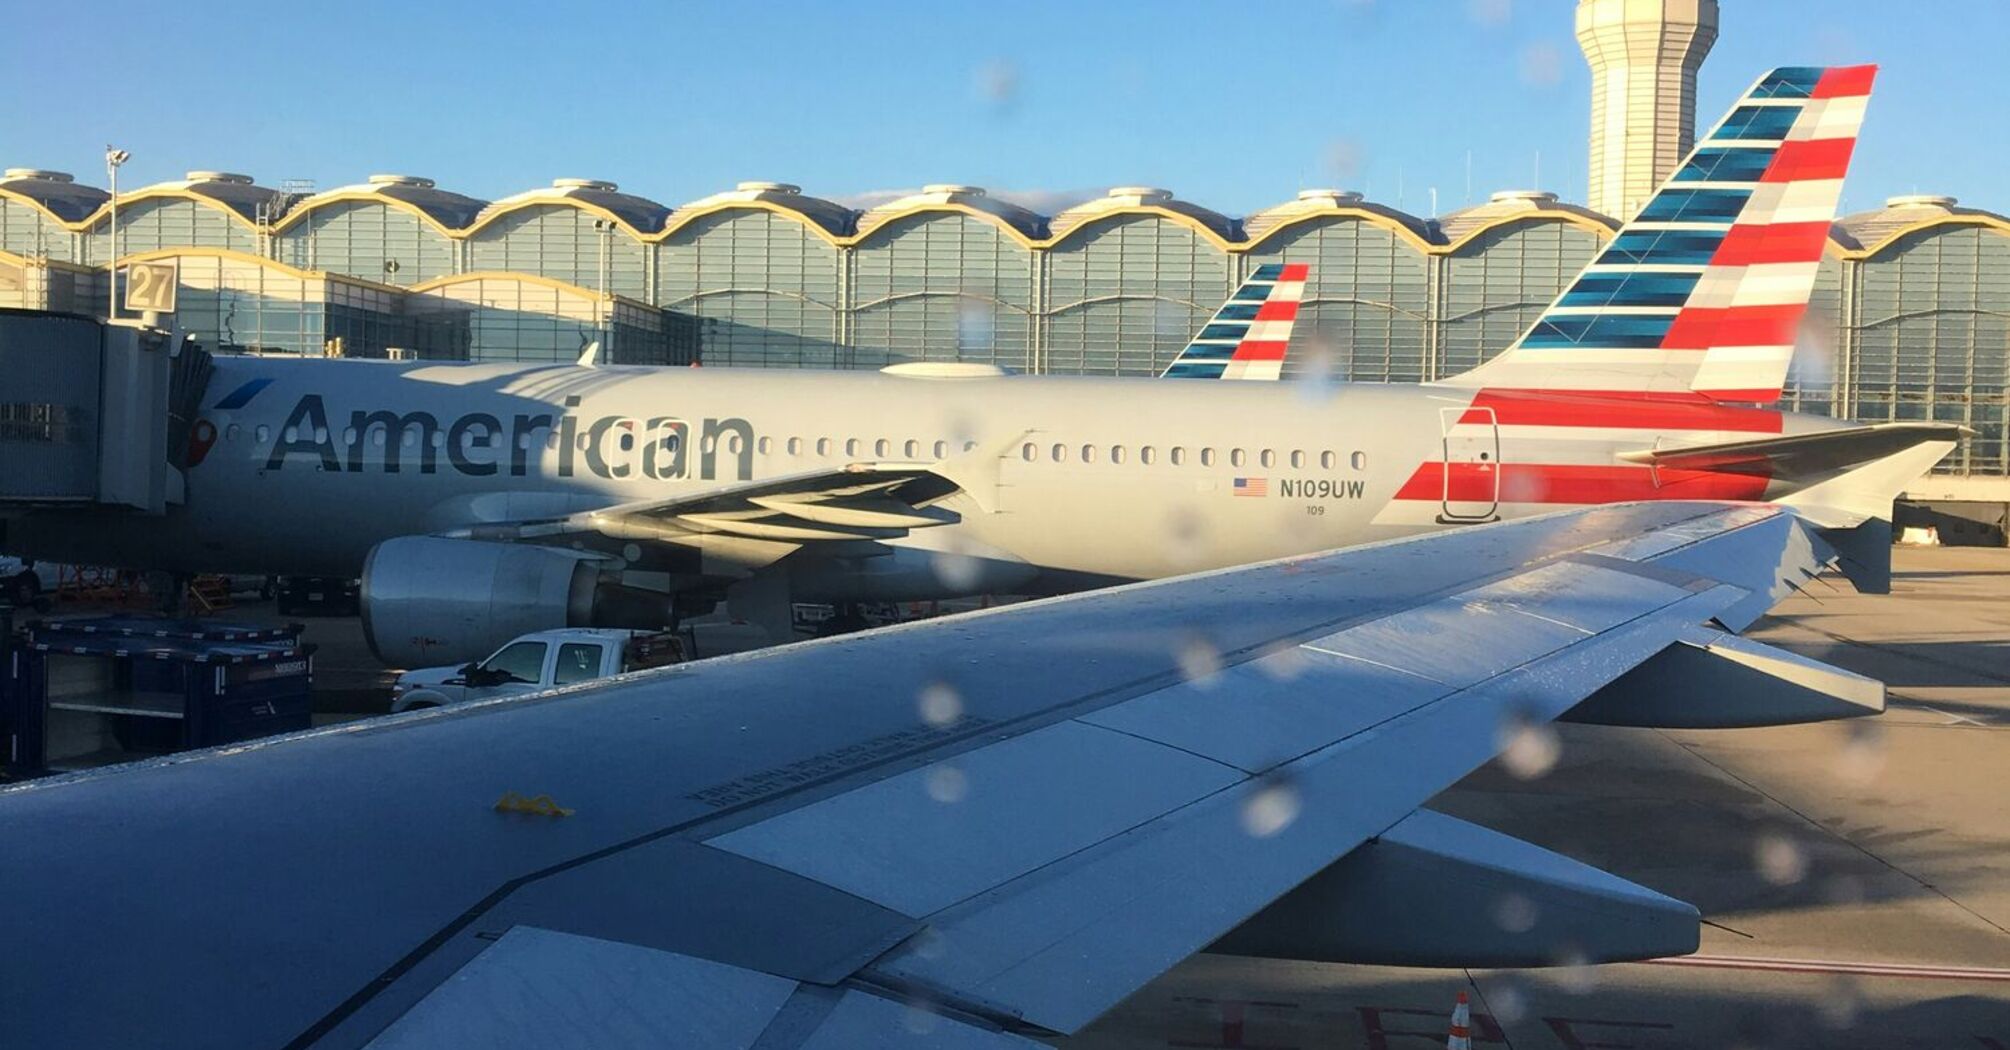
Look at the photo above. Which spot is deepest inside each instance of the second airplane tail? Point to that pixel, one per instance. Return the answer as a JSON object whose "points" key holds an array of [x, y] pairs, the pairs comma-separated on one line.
{"points": [[1701, 294], [1247, 338]]}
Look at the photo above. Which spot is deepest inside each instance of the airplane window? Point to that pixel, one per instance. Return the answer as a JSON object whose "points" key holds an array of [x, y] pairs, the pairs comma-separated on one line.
{"points": [[1235, 457], [732, 444], [912, 449], [230, 432], [1088, 453], [263, 434], [766, 445], [823, 446], [439, 439], [348, 436], [1267, 458], [941, 449], [1030, 452], [377, 438], [321, 435], [851, 446], [1298, 457], [1060, 453], [1359, 460], [1116, 453], [290, 434], [795, 446], [969, 446], [1207, 457], [550, 439], [1178, 456], [879, 448], [1148, 455], [1326, 460]]}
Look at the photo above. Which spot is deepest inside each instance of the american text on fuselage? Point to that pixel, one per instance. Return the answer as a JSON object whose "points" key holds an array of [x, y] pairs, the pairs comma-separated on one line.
{"points": [[612, 446]]}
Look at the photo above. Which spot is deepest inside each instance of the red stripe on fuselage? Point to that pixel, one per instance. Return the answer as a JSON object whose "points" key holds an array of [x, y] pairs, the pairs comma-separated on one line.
{"points": [[1619, 411], [1701, 329], [1844, 81], [1812, 159], [1778, 242], [1578, 484]]}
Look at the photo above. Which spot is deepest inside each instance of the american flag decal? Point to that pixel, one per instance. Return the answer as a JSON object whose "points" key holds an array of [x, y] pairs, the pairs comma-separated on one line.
{"points": [[1252, 486]]}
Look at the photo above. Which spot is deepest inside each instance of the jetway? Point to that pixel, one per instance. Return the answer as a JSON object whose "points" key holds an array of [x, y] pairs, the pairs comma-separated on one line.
{"points": [[94, 414]]}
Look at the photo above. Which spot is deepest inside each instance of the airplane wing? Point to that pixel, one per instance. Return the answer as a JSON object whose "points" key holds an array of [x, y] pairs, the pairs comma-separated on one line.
{"points": [[963, 832], [1801, 455]]}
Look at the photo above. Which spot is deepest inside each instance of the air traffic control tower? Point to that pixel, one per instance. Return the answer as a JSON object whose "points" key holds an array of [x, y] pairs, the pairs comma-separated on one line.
{"points": [[1643, 55]]}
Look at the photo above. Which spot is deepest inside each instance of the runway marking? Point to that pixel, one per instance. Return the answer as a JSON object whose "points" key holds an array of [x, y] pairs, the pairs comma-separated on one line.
{"points": [[1739, 962], [1952, 719]]}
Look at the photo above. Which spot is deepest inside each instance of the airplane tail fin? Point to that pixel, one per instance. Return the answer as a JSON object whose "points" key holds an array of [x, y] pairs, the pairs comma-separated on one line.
{"points": [[1247, 338], [1701, 294]]}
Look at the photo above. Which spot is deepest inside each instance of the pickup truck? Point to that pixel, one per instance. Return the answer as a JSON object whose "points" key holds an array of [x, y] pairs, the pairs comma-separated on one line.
{"points": [[24, 583], [538, 661]]}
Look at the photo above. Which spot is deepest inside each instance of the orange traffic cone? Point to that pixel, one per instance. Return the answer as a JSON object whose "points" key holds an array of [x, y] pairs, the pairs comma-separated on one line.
{"points": [[1462, 1019]]}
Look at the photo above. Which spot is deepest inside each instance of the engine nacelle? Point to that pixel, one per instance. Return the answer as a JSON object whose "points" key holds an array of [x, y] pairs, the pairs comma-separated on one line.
{"points": [[429, 600]]}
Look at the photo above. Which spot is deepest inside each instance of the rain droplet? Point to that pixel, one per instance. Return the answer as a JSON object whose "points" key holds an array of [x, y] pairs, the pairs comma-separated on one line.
{"points": [[1199, 661], [1575, 972], [1861, 759], [919, 1019], [1541, 65], [1284, 663], [997, 82], [1507, 1003], [930, 943], [1492, 13], [1780, 860], [1270, 809], [1514, 913], [940, 704], [956, 570], [1839, 1008], [1528, 749], [947, 784]]}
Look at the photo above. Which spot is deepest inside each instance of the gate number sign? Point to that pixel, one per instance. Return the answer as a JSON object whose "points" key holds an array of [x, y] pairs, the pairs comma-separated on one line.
{"points": [[151, 286]]}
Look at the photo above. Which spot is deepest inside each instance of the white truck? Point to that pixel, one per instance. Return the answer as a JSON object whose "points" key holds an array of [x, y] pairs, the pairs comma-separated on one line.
{"points": [[538, 661]]}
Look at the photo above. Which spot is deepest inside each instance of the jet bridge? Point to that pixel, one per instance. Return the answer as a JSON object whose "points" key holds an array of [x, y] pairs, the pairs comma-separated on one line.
{"points": [[94, 414]]}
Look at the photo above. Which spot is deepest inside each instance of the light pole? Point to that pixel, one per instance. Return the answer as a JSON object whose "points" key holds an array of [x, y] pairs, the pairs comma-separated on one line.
{"points": [[113, 158]]}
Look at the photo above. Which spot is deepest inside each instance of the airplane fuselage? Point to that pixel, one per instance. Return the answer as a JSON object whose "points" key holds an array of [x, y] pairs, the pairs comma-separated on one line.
{"points": [[301, 466]]}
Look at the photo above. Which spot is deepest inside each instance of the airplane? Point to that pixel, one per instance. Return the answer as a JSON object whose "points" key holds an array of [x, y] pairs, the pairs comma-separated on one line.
{"points": [[970, 832], [479, 502]]}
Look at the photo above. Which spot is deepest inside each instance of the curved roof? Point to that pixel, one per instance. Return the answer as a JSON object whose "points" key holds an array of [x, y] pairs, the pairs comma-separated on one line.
{"points": [[1146, 200], [55, 192], [833, 219], [969, 200], [1509, 206], [639, 214], [1315, 204], [235, 193], [1870, 232], [448, 210]]}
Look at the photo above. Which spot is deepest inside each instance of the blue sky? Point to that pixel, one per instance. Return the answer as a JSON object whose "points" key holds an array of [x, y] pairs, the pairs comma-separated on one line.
{"points": [[1234, 106]]}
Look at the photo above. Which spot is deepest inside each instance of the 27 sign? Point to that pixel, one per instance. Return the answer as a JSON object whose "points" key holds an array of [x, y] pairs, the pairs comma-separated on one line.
{"points": [[151, 286]]}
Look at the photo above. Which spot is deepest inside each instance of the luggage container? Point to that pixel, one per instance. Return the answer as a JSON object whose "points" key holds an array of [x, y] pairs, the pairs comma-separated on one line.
{"points": [[90, 692]]}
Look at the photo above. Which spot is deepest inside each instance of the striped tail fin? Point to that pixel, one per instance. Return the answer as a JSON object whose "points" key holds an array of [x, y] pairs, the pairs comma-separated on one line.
{"points": [[1248, 336], [1702, 293]]}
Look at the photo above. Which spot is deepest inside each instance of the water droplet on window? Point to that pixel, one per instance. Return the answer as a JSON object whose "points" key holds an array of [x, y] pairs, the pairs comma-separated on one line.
{"points": [[1270, 809], [1575, 972], [1199, 661], [947, 784], [940, 704], [1780, 860], [1528, 749], [1861, 758], [1514, 913]]}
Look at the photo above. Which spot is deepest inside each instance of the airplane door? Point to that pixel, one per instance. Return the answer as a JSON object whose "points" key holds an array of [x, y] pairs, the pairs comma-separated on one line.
{"points": [[1472, 474]]}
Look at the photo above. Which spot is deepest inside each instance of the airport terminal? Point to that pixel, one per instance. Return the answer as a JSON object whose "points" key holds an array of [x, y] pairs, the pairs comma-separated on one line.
{"points": [[1596, 639]]}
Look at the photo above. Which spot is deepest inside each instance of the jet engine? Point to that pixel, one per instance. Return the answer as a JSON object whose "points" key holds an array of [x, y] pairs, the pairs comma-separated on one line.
{"points": [[429, 600]]}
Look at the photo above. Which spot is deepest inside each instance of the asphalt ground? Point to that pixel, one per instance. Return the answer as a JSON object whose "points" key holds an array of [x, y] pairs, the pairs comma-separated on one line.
{"points": [[1855, 876]]}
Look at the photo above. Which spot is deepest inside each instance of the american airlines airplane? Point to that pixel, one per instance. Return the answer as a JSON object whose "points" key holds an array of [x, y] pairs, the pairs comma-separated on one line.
{"points": [[478, 502]]}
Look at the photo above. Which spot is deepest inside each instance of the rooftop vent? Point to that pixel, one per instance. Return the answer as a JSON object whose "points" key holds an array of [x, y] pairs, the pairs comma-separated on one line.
{"points": [[953, 188], [401, 180], [1145, 194], [219, 176], [583, 184], [37, 173], [1920, 200], [762, 186], [1335, 196], [1532, 196]]}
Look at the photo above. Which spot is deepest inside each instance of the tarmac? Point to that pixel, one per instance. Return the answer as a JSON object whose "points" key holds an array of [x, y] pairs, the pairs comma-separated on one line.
{"points": [[1854, 877]]}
